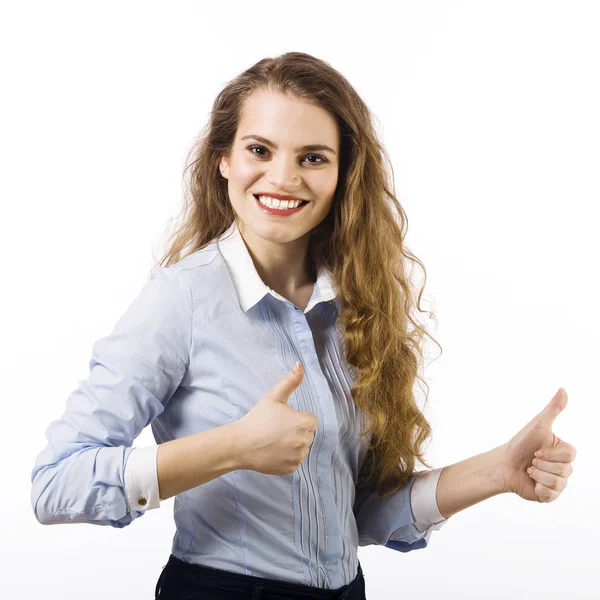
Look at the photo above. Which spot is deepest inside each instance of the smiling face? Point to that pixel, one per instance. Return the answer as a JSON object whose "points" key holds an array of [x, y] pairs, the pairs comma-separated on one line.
{"points": [[276, 162]]}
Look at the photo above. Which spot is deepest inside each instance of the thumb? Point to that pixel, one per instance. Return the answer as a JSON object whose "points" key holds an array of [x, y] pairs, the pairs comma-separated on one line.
{"points": [[555, 406], [291, 380]]}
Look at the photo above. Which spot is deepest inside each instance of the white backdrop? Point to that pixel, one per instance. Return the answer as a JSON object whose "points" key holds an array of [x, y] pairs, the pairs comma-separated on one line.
{"points": [[489, 111]]}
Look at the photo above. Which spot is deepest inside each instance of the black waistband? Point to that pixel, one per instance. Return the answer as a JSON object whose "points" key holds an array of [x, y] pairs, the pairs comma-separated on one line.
{"points": [[192, 575]]}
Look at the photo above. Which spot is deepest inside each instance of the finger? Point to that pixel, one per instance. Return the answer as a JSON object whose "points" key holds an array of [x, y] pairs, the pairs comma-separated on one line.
{"points": [[545, 494], [562, 453], [549, 480], [558, 468]]}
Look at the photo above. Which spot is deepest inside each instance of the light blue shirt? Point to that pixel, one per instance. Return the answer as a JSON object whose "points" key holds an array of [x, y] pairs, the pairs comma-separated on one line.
{"points": [[200, 345]]}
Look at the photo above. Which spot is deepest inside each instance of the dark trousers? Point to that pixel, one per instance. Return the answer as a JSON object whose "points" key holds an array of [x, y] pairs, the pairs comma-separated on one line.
{"points": [[184, 581]]}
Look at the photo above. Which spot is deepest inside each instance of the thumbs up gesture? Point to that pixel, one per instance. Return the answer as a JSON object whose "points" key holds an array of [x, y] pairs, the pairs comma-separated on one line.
{"points": [[536, 462], [275, 437]]}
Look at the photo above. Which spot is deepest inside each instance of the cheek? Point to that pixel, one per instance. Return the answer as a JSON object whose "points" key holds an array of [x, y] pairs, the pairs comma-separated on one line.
{"points": [[246, 171], [326, 185], [326, 190]]}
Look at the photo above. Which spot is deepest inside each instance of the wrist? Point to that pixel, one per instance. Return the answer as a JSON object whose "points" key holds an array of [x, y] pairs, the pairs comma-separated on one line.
{"points": [[238, 445]]}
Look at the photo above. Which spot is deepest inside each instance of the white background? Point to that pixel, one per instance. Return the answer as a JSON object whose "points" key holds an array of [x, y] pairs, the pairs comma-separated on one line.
{"points": [[489, 111]]}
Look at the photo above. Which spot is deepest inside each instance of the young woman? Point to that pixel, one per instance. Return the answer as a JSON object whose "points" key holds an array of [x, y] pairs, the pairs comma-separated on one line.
{"points": [[291, 249]]}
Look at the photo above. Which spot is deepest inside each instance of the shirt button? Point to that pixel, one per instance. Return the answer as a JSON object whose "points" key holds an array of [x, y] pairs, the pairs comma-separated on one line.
{"points": [[142, 501]]}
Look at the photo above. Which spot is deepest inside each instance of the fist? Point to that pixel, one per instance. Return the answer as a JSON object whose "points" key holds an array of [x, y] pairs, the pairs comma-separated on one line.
{"points": [[274, 436]]}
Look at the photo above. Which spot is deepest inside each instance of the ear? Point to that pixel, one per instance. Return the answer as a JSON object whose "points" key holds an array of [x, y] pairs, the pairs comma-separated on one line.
{"points": [[224, 167]]}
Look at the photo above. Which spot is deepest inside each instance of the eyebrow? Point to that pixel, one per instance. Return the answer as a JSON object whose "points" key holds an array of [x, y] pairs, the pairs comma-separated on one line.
{"points": [[309, 147]]}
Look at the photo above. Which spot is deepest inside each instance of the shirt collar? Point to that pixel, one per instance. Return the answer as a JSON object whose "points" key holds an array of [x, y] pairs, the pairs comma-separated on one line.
{"points": [[247, 283]]}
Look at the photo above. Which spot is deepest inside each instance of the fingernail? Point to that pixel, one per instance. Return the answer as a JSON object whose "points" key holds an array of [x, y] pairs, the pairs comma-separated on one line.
{"points": [[296, 368]]}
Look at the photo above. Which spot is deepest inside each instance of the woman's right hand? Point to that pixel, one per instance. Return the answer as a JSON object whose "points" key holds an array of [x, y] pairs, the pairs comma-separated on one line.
{"points": [[274, 437]]}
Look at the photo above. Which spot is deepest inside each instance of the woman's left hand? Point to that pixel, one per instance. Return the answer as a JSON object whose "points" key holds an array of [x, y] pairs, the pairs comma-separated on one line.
{"points": [[540, 478]]}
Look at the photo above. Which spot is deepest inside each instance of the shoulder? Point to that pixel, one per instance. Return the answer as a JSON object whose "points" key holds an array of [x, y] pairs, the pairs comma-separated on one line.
{"points": [[198, 259], [199, 270]]}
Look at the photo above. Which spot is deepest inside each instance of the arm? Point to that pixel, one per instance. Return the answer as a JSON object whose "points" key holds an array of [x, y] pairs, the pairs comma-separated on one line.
{"points": [[190, 461], [405, 520], [134, 371], [155, 473], [470, 481]]}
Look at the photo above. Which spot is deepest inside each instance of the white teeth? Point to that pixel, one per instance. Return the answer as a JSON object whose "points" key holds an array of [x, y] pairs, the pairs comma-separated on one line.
{"points": [[280, 204]]}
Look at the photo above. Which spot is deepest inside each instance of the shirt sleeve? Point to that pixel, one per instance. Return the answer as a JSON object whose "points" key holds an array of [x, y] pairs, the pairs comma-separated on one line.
{"points": [[79, 477], [404, 520]]}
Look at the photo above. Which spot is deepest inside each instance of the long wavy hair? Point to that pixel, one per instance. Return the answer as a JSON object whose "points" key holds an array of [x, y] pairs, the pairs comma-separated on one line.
{"points": [[360, 241]]}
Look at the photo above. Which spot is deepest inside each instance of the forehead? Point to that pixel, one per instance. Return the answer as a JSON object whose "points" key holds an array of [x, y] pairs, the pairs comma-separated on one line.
{"points": [[285, 118]]}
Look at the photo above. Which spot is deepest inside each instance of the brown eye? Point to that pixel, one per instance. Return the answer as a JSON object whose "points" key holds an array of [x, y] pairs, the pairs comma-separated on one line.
{"points": [[256, 147]]}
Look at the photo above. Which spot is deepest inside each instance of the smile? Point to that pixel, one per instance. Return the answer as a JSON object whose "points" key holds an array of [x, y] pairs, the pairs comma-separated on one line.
{"points": [[281, 212]]}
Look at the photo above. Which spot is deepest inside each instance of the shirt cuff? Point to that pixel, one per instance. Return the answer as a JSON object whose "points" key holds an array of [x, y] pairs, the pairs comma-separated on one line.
{"points": [[423, 499], [141, 479]]}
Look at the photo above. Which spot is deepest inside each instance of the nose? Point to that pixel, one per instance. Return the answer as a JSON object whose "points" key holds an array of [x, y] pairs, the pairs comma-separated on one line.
{"points": [[283, 175]]}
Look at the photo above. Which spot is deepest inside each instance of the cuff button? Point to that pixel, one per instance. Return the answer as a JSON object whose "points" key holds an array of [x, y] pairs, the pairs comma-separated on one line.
{"points": [[142, 501]]}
